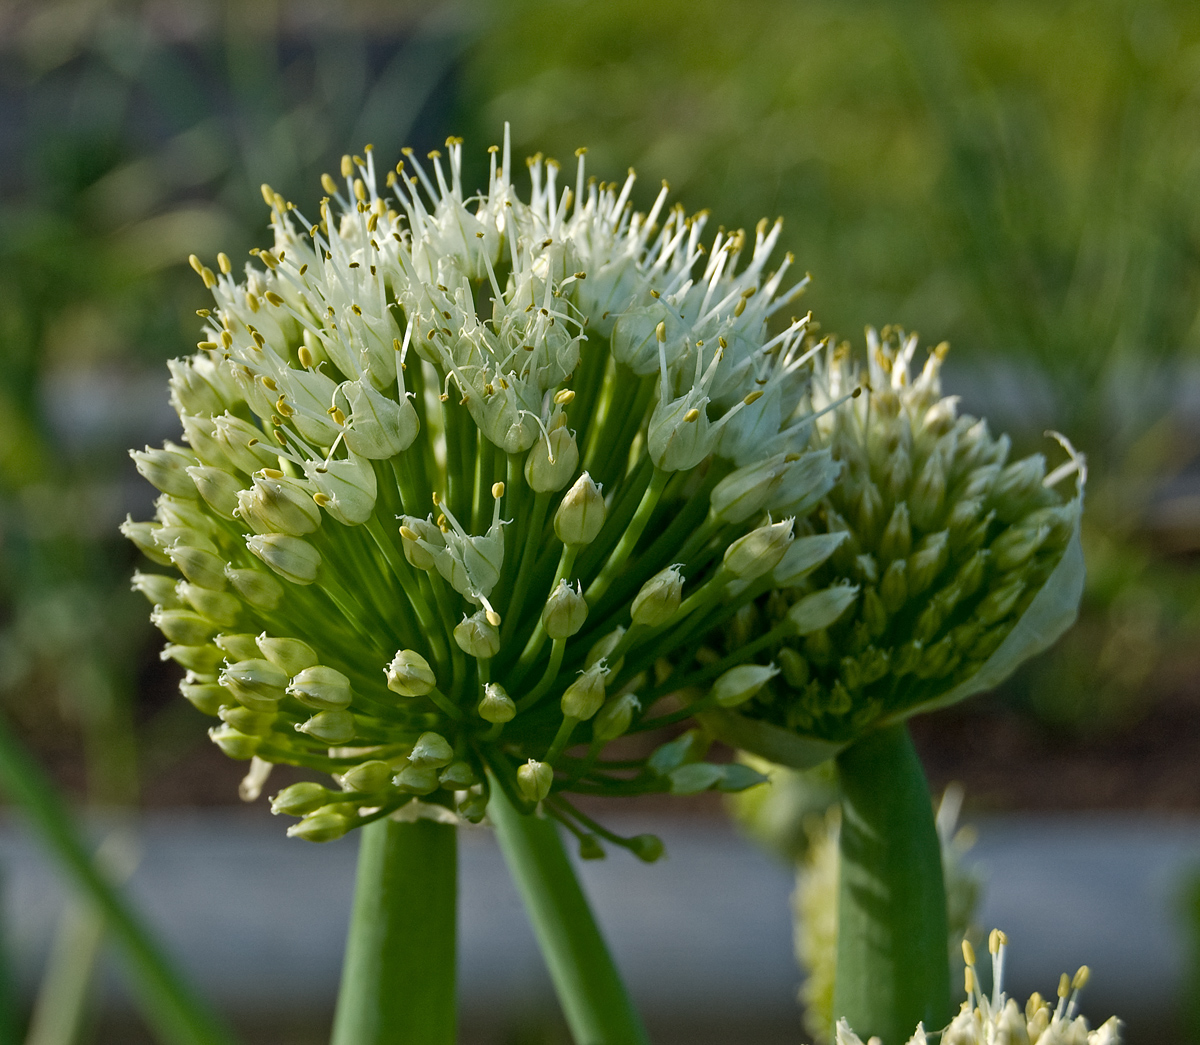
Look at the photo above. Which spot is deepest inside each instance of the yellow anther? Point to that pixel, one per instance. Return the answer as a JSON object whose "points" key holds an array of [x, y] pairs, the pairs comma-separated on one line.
{"points": [[356, 310], [968, 952], [206, 346], [280, 438], [692, 415], [347, 166], [563, 396], [722, 342], [453, 140], [996, 940], [224, 264], [969, 980], [372, 222], [655, 294], [322, 500], [226, 339], [753, 397], [268, 259], [273, 298], [339, 418], [271, 473], [434, 154], [582, 150], [660, 331], [305, 356], [442, 524], [259, 340], [196, 263], [739, 308], [497, 490], [360, 190], [203, 313], [493, 618], [210, 280], [408, 533], [1081, 977], [581, 275], [303, 268], [1064, 985], [281, 405], [269, 382], [493, 148], [437, 498]]}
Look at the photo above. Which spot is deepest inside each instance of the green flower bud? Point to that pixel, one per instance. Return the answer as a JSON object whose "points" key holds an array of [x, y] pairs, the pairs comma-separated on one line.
{"points": [[804, 555], [585, 695], [496, 705], [242, 444], [290, 557], [659, 598], [603, 648], [928, 495], [822, 608], [320, 687], [158, 589], [473, 808], [893, 589], [431, 749], [276, 504], [206, 697], [200, 434], [220, 607], [166, 468], [198, 566], [409, 674], [458, 776], [647, 848], [252, 723], [370, 776], [237, 647], [896, 542], [330, 727], [613, 720], [347, 488], [417, 780], [590, 848], [257, 684], [1018, 488], [291, 656], [745, 492], [565, 611], [581, 512], [534, 780], [261, 590], [552, 461], [325, 825], [739, 684], [927, 561], [379, 427], [203, 660], [184, 522], [142, 534], [301, 798], [1016, 545], [794, 668], [219, 488], [759, 551], [190, 392], [477, 637], [182, 626], [234, 744]]}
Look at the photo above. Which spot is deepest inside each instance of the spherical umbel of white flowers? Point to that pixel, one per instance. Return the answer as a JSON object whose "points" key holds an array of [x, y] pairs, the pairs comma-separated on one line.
{"points": [[459, 470], [928, 573]]}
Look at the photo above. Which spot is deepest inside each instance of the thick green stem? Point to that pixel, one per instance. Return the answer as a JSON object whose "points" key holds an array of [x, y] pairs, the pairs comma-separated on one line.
{"points": [[594, 999], [893, 967], [171, 1007], [398, 974]]}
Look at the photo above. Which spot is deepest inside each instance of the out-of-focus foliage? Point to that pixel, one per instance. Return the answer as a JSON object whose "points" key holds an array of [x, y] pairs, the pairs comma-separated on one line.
{"points": [[130, 136], [1023, 179]]}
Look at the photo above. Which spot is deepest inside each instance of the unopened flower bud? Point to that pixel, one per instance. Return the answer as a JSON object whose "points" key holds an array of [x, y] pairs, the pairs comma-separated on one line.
{"points": [[1016, 545], [739, 684], [458, 776], [602, 649], [1018, 487], [819, 610], [277, 504], [206, 697], [379, 427], [417, 780], [794, 668], [998, 603], [477, 637], [236, 745], [330, 727], [219, 488], [198, 566], [252, 723], [585, 695], [590, 848], [167, 469], [320, 687], [473, 808], [580, 515], [203, 660], [327, 824], [183, 626], [928, 494], [242, 444], [658, 599], [293, 559], [260, 589], [534, 780], [237, 646], [496, 705], [647, 848], [409, 674], [927, 561], [347, 488], [565, 611], [190, 392], [745, 492], [759, 551], [301, 798], [431, 749], [158, 589], [614, 719], [896, 542], [220, 607], [257, 684], [680, 435], [552, 461], [804, 555], [291, 656], [372, 775]]}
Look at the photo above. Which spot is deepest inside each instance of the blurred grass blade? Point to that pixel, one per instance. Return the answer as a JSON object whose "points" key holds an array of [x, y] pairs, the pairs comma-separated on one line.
{"points": [[171, 1007], [62, 1001]]}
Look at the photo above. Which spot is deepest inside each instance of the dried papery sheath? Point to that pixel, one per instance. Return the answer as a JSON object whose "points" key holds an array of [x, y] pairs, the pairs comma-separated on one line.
{"points": [[467, 467], [932, 569]]}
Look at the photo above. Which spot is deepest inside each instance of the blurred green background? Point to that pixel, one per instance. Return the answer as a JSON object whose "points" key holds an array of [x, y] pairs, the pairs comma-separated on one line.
{"points": [[1019, 178]]}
